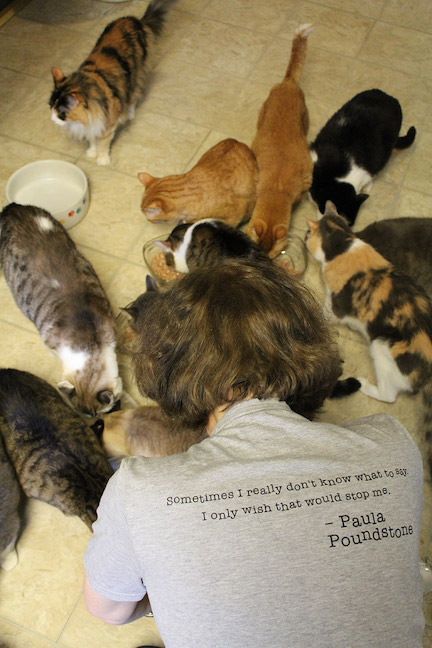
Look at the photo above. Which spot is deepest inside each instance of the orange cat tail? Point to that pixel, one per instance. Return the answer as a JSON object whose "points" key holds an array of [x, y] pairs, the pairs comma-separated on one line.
{"points": [[298, 52]]}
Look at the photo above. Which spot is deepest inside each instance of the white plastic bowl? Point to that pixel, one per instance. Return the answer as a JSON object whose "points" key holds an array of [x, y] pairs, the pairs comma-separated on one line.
{"points": [[55, 185]]}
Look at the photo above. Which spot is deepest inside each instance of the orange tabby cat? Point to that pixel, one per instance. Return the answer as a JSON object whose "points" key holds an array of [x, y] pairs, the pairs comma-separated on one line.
{"points": [[282, 152], [221, 185], [102, 94]]}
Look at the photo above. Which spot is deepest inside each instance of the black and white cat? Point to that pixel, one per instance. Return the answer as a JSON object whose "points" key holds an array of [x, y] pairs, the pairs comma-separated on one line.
{"points": [[354, 145], [207, 242]]}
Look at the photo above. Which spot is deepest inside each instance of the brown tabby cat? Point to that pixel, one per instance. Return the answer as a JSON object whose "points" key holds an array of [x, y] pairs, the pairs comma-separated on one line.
{"points": [[146, 431], [58, 290], [392, 312], [282, 152], [221, 185], [9, 515], [57, 457], [102, 94]]}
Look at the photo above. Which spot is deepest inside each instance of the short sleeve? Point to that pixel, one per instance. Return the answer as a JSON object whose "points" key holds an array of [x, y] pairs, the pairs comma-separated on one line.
{"points": [[110, 562]]}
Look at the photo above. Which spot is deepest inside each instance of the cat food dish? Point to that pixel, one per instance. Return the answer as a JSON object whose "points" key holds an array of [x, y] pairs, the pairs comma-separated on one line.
{"points": [[55, 185], [294, 256], [156, 262]]}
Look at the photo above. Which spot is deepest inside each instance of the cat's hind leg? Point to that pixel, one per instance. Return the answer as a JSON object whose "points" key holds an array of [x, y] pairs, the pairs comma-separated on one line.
{"points": [[103, 148], [390, 380]]}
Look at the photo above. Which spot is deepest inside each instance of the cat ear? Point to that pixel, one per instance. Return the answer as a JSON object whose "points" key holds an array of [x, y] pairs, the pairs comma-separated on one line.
{"points": [[279, 232], [66, 388], [105, 397], [145, 178], [164, 245], [360, 198], [330, 209], [57, 74], [151, 284], [313, 225]]}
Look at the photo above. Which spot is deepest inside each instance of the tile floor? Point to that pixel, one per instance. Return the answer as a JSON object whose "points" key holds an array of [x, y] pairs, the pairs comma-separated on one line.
{"points": [[214, 67]]}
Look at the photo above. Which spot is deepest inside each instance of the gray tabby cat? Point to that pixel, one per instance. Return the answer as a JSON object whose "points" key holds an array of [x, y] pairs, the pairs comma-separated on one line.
{"points": [[58, 290], [56, 455], [9, 515]]}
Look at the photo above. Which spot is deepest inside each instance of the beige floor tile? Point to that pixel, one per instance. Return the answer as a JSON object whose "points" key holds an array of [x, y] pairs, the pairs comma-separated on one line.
{"points": [[240, 118], [128, 284], [84, 630], [369, 8], [113, 218], [15, 86], [24, 350], [40, 593], [335, 30], [39, 130], [156, 144], [12, 636], [382, 198], [268, 17], [190, 93], [416, 15], [419, 174], [399, 48], [213, 44], [414, 204]]}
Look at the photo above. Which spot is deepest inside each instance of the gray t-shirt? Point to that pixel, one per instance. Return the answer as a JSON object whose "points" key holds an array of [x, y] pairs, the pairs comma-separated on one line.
{"points": [[273, 532]]}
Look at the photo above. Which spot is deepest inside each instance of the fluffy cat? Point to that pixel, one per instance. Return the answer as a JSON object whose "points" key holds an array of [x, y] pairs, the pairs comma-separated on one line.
{"points": [[387, 307], [10, 522], [58, 290], [222, 185], [56, 455], [102, 94], [406, 243], [207, 242], [353, 146], [282, 153], [146, 431]]}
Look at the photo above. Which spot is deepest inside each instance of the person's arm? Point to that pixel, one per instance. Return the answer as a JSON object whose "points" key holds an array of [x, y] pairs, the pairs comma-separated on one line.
{"points": [[113, 612]]}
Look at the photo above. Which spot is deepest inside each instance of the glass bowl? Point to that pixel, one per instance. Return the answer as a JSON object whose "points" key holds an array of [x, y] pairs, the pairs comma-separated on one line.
{"points": [[294, 256]]}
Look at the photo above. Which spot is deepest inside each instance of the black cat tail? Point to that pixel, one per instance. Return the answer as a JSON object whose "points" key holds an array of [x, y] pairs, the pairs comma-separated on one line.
{"points": [[406, 140], [427, 423], [154, 16], [345, 387]]}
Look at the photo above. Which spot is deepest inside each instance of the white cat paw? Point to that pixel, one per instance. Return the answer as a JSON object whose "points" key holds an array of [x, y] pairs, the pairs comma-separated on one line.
{"points": [[103, 159], [91, 152], [10, 561]]}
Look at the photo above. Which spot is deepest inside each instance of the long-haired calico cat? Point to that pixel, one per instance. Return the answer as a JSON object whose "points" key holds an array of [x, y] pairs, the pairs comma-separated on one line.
{"points": [[282, 153], [56, 455], [393, 313], [10, 521], [353, 146], [102, 94], [222, 185], [58, 290], [207, 242], [146, 431]]}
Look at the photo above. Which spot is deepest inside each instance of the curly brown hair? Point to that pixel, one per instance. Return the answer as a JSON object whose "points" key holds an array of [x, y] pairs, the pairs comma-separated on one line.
{"points": [[221, 334]]}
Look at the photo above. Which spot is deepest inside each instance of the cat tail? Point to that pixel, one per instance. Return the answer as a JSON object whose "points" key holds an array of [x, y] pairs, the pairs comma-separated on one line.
{"points": [[406, 140], [154, 17], [298, 52], [427, 422], [345, 387]]}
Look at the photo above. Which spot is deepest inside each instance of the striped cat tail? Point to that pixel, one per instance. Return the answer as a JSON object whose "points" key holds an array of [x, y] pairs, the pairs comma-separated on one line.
{"points": [[154, 17], [406, 140], [298, 52], [427, 423]]}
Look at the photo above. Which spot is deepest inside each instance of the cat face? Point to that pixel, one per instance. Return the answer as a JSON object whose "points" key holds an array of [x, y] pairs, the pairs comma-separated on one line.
{"points": [[342, 194], [328, 237], [155, 204], [66, 102], [136, 308]]}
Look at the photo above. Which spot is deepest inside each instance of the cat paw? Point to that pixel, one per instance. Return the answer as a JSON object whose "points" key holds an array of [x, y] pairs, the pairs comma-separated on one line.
{"points": [[91, 152], [103, 159]]}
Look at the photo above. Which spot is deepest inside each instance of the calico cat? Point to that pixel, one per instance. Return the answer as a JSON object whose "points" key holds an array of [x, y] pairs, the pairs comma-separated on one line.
{"points": [[146, 431], [56, 455], [58, 290], [102, 94], [406, 243], [207, 242], [353, 146], [10, 522], [282, 153], [392, 312], [221, 185]]}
